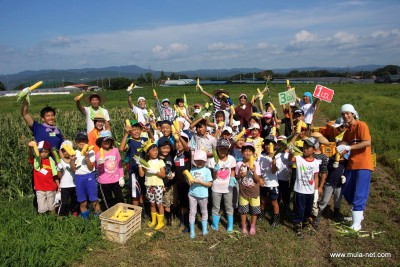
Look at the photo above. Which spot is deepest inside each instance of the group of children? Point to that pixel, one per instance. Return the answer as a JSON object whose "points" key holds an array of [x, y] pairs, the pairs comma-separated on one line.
{"points": [[246, 168]]}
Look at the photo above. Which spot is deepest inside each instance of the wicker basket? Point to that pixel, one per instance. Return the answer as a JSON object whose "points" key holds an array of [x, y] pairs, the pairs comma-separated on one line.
{"points": [[118, 231]]}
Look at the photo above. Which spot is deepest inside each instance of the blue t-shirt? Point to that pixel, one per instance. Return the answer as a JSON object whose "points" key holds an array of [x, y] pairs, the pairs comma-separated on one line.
{"points": [[203, 174], [134, 146], [42, 133], [237, 154]]}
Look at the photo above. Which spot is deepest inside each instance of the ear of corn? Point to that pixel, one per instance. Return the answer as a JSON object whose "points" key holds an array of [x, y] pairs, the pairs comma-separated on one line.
{"points": [[179, 111], [142, 161], [271, 148], [36, 85], [273, 131], [173, 130], [188, 176], [287, 83], [298, 126], [221, 124], [90, 148], [36, 150], [130, 87], [69, 150], [56, 157], [84, 149], [177, 126], [122, 215], [251, 162], [215, 154], [155, 93], [225, 95], [101, 153], [207, 106], [242, 132], [78, 97], [128, 123], [258, 115], [337, 156], [232, 107], [252, 99], [272, 106]]}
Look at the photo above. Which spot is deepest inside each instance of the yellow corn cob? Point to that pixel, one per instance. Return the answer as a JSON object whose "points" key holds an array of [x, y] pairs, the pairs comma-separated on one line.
{"points": [[198, 82], [90, 148], [177, 126], [173, 130], [84, 149], [287, 83], [252, 99], [337, 156], [207, 106], [150, 112], [251, 162], [271, 148], [118, 212], [273, 131], [155, 93], [130, 87], [298, 126], [221, 124], [178, 110], [36, 85], [188, 176], [142, 162], [101, 153], [258, 115], [128, 123], [240, 134], [225, 95], [35, 149], [272, 106], [69, 150], [258, 90], [78, 97], [232, 109]]}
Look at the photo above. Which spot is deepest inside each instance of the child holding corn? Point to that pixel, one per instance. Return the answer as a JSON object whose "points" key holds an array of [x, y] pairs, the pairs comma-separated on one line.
{"points": [[44, 175], [154, 174], [134, 141], [223, 166], [248, 174], [198, 192], [270, 186], [305, 184], [109, 165], [86, 184], [66, 173], [255, 138]]}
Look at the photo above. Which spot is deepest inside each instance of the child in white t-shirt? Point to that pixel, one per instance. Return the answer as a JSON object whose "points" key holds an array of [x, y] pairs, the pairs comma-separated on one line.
{"points": [[66, 173], [306, 183], [224, 180], [283, 173]]}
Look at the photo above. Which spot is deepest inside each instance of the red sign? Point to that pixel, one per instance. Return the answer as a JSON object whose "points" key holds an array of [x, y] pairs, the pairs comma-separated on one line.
{"points": [[323, 93]]}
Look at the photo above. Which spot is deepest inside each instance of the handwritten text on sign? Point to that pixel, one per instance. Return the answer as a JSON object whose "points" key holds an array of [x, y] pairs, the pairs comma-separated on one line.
{"points": [[287, 97], [323, 93]]}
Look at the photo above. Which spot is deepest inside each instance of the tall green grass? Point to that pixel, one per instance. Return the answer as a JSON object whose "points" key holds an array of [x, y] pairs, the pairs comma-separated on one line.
{"points": [[29, 239]]}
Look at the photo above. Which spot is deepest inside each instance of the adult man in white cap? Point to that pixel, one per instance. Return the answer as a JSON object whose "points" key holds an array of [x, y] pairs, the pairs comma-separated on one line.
{"points": [[359, 167]]}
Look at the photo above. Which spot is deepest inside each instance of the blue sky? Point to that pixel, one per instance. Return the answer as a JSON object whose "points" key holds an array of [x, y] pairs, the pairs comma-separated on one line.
{"points": [[188, 35]]}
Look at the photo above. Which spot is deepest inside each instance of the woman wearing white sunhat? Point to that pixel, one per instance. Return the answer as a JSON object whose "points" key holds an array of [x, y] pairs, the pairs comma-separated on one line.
{"points": [[360, 166]]}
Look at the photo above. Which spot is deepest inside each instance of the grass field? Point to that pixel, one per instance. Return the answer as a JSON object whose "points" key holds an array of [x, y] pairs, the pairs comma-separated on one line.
{"points": [[376, 104]]}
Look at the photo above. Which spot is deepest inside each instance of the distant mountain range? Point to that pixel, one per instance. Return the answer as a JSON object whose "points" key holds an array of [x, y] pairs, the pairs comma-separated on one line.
{"points": [[132, 71]]}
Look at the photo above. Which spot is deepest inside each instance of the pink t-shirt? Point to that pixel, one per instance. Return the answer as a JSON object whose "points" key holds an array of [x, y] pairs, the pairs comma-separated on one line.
{"points": [[111, 170]]}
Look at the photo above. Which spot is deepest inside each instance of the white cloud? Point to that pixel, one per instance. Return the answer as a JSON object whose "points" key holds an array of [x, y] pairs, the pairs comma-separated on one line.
{"points": [[170, 50], [224, 47], [304, 37], [344, 37]]}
